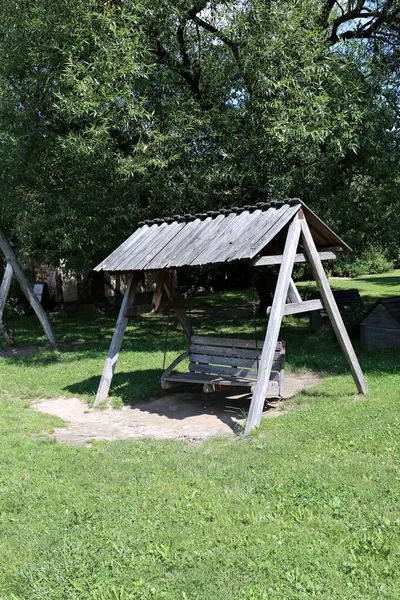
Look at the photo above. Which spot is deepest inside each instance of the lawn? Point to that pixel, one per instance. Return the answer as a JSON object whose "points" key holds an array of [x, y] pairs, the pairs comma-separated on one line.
{"points": [[306, 508]]}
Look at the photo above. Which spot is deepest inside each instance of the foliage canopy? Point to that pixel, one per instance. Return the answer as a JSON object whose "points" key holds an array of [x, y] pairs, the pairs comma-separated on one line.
{"points": [[113, 111]]}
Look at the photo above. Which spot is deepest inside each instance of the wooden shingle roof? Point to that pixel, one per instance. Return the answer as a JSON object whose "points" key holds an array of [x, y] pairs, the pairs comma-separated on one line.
{"points": [[212, 237]]}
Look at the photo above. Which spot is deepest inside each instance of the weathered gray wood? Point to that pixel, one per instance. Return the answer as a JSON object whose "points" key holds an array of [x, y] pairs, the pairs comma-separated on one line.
{"points": [[204, 378], [223, 360], [300, 307], [230, 342], [235, 352], [284, 216], [176, 246], [4, 290], [274, 324], [175, 296], [332, 308], [293, 292], [116, 342], [158, 292], [276, 259], [28, 291], [272, 390], [167, 372]]}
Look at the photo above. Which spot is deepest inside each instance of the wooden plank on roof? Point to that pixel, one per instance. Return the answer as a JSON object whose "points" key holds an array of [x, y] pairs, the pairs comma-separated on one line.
{"points": [[133, 249], [214, 251], [282, 219], [215, 229], [185, 257], [175, 247], [126, 244], [149, 253], [255, 228], [272, 217]]}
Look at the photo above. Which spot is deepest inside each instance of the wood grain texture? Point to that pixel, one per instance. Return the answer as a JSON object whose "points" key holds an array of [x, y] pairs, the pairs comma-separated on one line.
{"points": [[293, 292], [4, 291], [274, 324], [276, 259], [332, 308], [117, 339], [300, 307], [28, 291]]}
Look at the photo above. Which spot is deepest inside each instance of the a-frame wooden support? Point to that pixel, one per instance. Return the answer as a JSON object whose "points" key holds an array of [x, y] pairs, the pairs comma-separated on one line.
{"points": [[27, 289], [4, 291], [117, 339], [285, 287]]}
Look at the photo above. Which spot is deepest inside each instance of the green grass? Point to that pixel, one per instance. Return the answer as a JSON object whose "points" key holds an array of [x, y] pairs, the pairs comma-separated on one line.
{"points": [[307, 508]]}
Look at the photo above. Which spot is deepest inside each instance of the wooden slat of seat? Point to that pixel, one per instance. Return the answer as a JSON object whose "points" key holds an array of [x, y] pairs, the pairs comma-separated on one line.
{"points": [[234, 361], [222, 371], [228, 371], [205, 378]]}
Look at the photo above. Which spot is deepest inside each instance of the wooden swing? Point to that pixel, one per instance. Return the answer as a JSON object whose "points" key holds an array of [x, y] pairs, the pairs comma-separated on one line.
{"points": [[254, 234]]}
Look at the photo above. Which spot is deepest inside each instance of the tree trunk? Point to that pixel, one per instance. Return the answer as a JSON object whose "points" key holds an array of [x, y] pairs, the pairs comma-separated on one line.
{"points": [[265, 283]]}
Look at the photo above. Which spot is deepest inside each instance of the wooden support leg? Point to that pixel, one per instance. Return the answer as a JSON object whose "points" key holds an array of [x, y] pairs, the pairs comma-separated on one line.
{"points": [[176, 298], [4, 290], [331, 307], [274, 324], [28, 291], [116, 342], [157, 296]]}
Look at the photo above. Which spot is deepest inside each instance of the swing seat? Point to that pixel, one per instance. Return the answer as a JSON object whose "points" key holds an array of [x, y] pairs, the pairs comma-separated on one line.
{"points": [[220, 363]]}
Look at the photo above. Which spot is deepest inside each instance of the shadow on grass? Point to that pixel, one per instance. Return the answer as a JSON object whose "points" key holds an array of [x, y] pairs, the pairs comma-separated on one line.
{"points": [[131, 386]]}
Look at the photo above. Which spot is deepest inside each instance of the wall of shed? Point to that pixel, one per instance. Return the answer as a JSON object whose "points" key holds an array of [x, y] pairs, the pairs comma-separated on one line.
{"points": [[380, 330]]}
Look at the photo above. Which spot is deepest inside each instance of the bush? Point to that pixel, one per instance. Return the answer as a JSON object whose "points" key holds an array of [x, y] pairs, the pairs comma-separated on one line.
{"points": [[372, 261]]}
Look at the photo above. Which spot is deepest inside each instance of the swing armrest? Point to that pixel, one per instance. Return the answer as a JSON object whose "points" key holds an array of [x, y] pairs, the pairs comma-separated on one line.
{"points": [[172, 366]]}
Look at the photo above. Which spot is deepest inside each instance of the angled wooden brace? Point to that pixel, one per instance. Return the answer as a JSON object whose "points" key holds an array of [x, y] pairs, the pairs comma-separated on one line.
{"points": [[274, 325], [331, 307], [4, 291], [176, 298], [28, 291], [116, 342]]}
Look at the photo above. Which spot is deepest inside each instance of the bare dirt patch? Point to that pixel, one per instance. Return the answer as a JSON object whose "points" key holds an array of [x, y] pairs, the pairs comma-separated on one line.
{"points": [[185, 416]]}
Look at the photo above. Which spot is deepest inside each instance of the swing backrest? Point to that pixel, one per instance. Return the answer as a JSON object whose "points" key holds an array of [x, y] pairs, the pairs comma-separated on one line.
{"points": [[231, 358]]}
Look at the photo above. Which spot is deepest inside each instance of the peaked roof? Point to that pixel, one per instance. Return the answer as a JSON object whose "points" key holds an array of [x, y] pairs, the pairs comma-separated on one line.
{"points": [[391, 304], [212, 237]]}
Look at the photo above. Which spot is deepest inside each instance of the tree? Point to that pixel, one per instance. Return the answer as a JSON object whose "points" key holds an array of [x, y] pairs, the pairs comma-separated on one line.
{"points": [[121, 110]]}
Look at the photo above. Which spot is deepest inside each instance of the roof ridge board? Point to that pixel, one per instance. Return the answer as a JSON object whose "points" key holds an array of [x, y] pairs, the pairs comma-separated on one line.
{"points": [[214, 213]]}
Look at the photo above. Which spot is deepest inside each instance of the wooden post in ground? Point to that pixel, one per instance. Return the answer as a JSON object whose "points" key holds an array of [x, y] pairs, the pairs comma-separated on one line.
{"points": [[116, 342], [28, 291], [158, 291], [274, 325], [175, 297], [4, 290], [331, 307]]}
